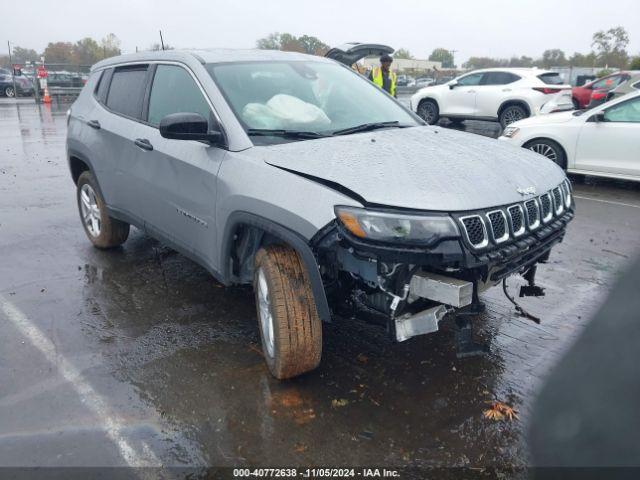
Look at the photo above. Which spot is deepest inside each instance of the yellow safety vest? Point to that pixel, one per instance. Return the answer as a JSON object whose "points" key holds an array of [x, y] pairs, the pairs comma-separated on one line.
{"points": [[376, 75]]}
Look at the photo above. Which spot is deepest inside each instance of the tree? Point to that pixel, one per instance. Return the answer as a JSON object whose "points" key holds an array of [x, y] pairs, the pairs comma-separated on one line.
{"points": [[635, 63], [554, 58], [59, 52], [270, 42], [291, 43], [86, 52], [444, 56], [24, 55], [111, 46], [485, 62], [522, 61], [611, 47], [403, 53], [313, 45], [581, 60], [156, 47]]}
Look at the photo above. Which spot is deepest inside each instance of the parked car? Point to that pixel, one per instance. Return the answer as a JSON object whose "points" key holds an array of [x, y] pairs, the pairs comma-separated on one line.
{"points": [[296, 175], [424, 82], [603, 142], [23, 84], [65, 79], [503, 95], [596, 91], [629, 86]]}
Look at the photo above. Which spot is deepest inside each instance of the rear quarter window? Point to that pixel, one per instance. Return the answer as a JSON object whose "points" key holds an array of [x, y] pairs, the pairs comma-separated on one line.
{"points": [[126, 90], [551, 78]]}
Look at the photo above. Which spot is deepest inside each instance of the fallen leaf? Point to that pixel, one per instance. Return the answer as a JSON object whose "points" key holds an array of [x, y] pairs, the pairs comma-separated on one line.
{"points": [[339, 402], [500, 411]]}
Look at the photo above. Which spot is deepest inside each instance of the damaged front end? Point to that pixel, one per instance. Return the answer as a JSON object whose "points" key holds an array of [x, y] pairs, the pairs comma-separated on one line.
{"points": [[406, 270]]}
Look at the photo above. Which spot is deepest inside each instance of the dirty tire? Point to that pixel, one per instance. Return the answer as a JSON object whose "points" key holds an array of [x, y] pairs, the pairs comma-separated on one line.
{"points": [[297, 329], [428, 110], [112, 232]]}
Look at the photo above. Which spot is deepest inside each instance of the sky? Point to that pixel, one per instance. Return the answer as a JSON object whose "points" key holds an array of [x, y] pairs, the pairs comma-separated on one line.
{"points": [[472, 27]]}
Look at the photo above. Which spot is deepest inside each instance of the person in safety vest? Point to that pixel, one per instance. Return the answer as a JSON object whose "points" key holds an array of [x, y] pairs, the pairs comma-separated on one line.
{"points": [[383, 77]]}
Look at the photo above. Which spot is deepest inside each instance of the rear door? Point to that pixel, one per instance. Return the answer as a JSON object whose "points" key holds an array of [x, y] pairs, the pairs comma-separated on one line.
{"points": [[612, 146], [461, 99], [118, 124], [180, 176], [493, 89]]}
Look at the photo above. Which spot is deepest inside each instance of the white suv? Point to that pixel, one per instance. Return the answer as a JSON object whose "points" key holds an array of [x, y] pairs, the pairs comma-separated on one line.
{"points": [[504, 95]]}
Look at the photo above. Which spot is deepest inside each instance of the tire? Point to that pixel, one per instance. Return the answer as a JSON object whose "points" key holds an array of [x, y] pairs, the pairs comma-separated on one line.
{"points": [[428, 110], [8, 91], [101, 229], [512, 113], [550, 149], [290, 328]]}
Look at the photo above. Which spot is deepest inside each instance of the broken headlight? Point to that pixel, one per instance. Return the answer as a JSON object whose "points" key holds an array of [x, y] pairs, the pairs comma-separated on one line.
{"points": [[397, 227]]}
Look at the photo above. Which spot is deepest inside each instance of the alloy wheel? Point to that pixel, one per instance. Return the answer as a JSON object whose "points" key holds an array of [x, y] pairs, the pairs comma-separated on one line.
{"points": [[512, 114], [90, 210], [9, 92], [428, 112], [544, 149], [266, 318]]}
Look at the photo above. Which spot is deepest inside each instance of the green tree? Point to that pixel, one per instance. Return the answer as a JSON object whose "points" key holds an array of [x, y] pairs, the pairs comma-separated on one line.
{"points": [[444, 56], [403, 53], [23, 55], [635, 63], [485, 62], [611, 47], [110, 46], [291, 43], [270, 42], [581, 60], [313, 45], [86, 52], [522, 61], [554, 58], [59, 52]]}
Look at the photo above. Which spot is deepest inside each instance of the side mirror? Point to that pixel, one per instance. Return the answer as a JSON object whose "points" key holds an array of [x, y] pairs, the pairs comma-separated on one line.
{"points": [[189, 126], [597, 117], [453, 85]]}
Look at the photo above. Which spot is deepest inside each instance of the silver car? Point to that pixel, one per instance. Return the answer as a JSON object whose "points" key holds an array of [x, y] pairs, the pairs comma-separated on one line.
{"points": [[295, 174]]}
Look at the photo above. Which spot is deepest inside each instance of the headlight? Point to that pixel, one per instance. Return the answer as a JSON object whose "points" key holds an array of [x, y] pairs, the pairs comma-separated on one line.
{"points": [[510, 132], [396, 227]]}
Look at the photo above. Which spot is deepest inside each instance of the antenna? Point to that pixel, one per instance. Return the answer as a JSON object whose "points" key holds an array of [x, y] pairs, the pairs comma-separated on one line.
{"points": [[161, 41]]}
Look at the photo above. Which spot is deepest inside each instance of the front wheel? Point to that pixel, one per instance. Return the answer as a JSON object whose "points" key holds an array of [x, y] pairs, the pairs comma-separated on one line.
{"points": [[9, 92], [511, 114], [428, 110], [290, 328], [550, 149]]}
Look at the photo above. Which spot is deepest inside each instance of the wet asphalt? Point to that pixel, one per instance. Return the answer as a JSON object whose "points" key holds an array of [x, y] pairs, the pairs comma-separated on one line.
{"points": [[137, 356]]}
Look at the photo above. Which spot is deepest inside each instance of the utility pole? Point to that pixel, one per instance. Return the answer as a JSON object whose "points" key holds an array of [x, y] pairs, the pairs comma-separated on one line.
{"points": [[13, 72]]}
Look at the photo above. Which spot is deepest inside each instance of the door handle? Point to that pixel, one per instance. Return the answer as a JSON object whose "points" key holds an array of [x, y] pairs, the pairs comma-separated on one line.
{"points": [[143, 143], [471, 91], [94, 124]]}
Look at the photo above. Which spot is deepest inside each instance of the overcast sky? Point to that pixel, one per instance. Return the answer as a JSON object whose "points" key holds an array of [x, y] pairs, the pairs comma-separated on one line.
{"points": [[472, 27]]}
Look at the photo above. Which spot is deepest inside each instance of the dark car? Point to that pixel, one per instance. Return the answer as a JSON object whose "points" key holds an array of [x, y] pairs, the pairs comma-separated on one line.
{"points": [[23, 85]]}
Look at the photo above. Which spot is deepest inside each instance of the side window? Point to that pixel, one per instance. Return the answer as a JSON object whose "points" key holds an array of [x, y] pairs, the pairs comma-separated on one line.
{"points": [[610, 82], [499, 78], [174, 91], [636, 85], [126, 90], [628, 111], [473, 79], [103, 83]]}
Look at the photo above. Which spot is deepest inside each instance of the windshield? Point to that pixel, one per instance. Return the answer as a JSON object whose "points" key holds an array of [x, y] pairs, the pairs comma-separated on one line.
{"points": [[303, 96]]}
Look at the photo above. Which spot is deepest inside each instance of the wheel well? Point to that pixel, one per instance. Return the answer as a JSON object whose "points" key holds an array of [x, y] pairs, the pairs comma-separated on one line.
{"points": [[77, 166], [428, 99], [247, 240], [518, 103], [564, 152]]}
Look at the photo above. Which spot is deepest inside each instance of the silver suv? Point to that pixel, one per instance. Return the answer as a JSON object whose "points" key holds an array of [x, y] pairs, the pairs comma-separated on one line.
{"points": [[297, 175]]}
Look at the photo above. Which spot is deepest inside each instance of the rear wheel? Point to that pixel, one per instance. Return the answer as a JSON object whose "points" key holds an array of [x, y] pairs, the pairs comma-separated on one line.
{"points": [[101, 229], [9, 92], [511, 114], [550, 149], [290, 328], [428, 110]]}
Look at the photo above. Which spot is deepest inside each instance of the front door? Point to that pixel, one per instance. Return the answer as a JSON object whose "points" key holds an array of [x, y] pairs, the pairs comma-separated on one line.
{"points": [[612, 145], [461, 99], [181, 175]]}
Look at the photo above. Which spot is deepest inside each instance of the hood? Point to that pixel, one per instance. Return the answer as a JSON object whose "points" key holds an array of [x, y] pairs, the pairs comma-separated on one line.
{"points": [[548, 119], [424, 168]]}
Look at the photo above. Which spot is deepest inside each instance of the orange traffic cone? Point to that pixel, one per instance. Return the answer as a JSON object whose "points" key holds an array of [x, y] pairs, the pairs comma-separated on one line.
{"points": [[46, 98]]}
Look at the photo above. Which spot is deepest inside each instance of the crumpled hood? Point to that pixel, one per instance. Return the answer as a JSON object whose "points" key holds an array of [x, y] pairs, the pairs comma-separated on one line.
{"points": [[425, 168]]}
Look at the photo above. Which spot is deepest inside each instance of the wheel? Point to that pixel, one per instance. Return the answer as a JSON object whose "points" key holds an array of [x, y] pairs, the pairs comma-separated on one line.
{"points": [[550, 149], [428, 110], [8, 91], [511, 114], [101, 229], [290, 328]]}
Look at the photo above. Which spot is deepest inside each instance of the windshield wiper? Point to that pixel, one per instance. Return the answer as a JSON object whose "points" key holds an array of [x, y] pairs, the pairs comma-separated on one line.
{"points": [[365, 127], [265, 132]]}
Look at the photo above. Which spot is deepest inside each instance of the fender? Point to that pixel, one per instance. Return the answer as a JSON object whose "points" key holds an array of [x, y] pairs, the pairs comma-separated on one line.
{"points": [[297, 242], [72, 152]]}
